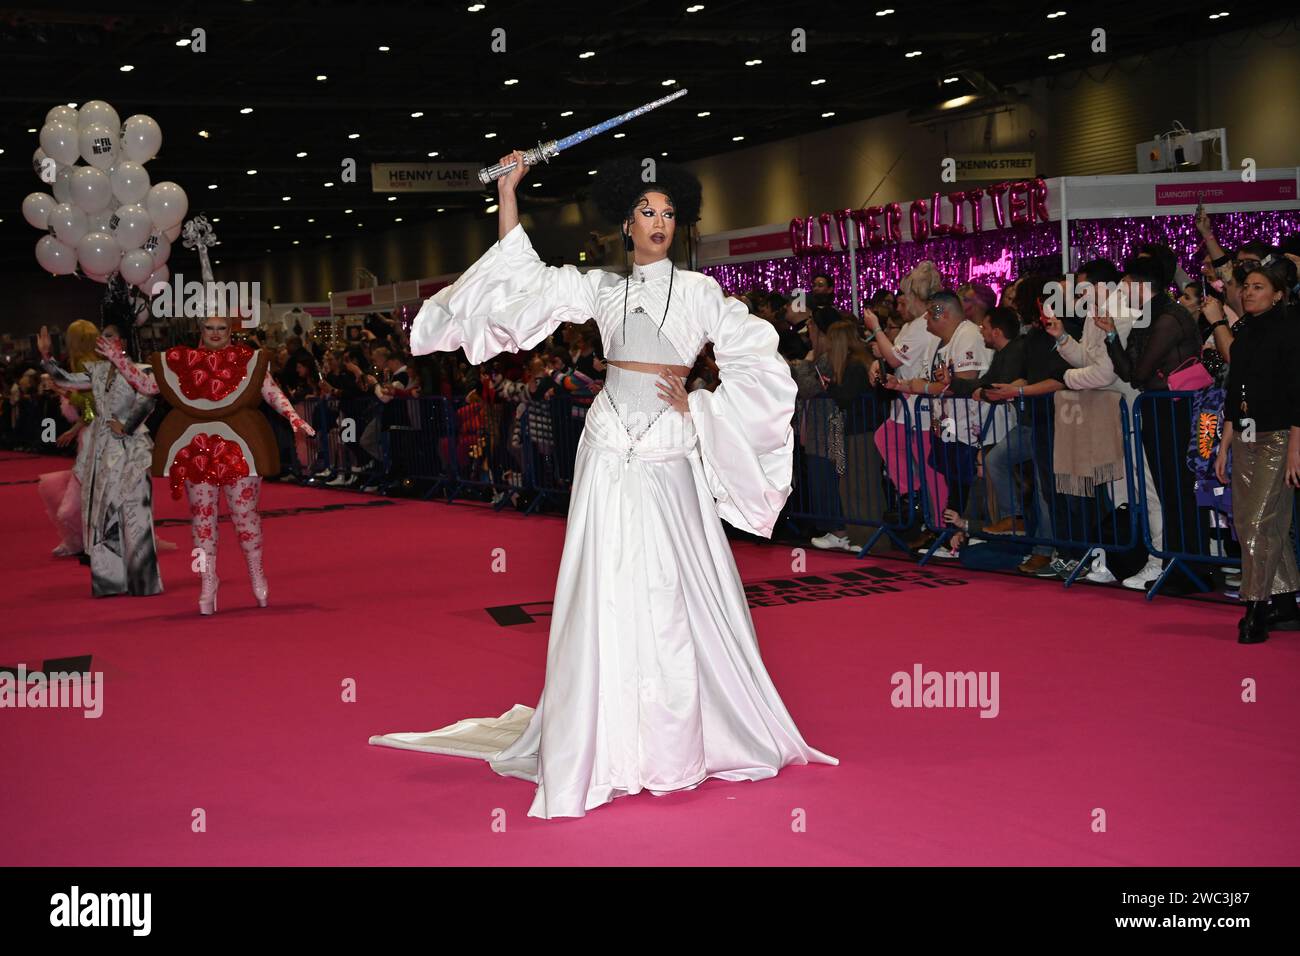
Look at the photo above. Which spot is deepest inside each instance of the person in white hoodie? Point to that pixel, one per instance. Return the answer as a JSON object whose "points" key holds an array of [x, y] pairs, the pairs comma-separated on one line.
{"points": [[1092, 368]]}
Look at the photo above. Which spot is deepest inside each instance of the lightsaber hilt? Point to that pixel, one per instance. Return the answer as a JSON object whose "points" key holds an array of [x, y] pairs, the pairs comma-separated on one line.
{"points": [[541, 153]]}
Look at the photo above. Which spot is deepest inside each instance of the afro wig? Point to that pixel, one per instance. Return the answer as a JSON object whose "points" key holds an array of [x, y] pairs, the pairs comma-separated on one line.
{"points": [[620, 184]]}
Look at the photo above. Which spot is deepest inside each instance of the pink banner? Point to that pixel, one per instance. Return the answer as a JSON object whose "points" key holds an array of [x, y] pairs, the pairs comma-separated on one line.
{"points": [[768, 242], [1188, 194]]}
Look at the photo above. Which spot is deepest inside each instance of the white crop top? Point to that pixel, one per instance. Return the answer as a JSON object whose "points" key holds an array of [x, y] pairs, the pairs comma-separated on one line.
{"points": [[635, 395]]}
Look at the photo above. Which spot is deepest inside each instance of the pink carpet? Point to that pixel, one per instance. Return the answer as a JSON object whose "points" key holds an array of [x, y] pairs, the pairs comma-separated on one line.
{"points": [[1105, 701]]}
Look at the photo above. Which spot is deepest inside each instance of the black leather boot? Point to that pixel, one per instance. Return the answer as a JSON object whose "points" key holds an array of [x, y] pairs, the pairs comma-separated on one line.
{"points": [[1253, 628], [1284, 615]]}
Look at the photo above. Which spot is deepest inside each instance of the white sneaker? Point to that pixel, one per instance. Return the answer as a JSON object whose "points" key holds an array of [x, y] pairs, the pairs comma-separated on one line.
{"points": [[833, 542], [1150, 571]]}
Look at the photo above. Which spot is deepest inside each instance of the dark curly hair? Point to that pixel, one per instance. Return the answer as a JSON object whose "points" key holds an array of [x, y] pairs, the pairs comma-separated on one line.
{"points": [[620, 185]]}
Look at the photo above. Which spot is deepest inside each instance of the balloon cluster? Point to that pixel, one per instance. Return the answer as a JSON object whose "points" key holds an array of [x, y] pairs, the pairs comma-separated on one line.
{"points": [[103, 216]]}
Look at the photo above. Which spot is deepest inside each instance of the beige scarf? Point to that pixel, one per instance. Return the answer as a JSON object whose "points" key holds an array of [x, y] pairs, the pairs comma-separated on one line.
{"points": [[1089, 445]]}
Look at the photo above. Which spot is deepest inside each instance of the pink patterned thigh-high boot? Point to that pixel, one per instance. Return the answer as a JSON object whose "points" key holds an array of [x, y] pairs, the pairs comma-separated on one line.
{"points": [[242, 499], [203, 523]]}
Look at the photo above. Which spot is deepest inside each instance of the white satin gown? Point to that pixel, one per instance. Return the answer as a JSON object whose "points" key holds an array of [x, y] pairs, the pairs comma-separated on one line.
{"points": [[654, 679]]}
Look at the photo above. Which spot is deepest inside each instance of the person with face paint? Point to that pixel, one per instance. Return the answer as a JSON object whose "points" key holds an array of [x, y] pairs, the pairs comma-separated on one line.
{"points": [[215, 439], [112, 465], [654, 680]]}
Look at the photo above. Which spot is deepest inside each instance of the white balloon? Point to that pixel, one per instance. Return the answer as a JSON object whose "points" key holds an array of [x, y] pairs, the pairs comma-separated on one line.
{"points": [[137, 266], [141, 138], [99, 221], [158, 246], [62, 187], [130, 181], [167, 205], [59, 140], [98, 146], [161, 276], [62, 114], [173, 232], [54, 257], [37, 208], [133, 226], [98, 253], [97, 112], [91, 188], [69, 224]]}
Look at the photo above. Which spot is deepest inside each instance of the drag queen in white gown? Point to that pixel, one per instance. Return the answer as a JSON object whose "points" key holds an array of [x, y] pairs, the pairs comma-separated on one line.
{"points": [[654, 679]]}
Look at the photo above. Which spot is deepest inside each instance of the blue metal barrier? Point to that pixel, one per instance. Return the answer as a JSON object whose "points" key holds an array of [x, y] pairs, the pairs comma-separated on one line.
{"points": [[860, 497]]}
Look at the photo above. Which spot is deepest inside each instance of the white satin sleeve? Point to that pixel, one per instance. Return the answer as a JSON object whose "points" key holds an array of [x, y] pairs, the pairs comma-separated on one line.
{"points": [[745, 437], [505, 302]]}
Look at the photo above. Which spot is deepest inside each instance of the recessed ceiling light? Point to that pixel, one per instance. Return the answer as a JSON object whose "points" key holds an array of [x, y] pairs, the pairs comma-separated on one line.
{"points": [[285, 198], [347, 212], [667, 82], [126, 68], [212, 185], [215, 219], [487, 198], [951, 79], [275, 227], [433, 153], [354, 135], [828, 114], [295, 242], [360, 224], [586, 54], [246, 110], [884, 13], [489, 135], [398, 219], [252, 172], [753, 62], [491, 208], [392, 199], [311, 220], [737, 139], [511, 82], [321, 77], [1057, 56], [383, 49], [300, 155], [440, 209], [535, 185], [565, 113], [417, 114], [475, 7], [328, 185], [203, 134], [818, 82], [32, 130], [591, 172], [328, 236], [703, 113], [1058, 13], [72, 105], [619, 135], [185, 42], [663, 154], [695, 9], [1216, 16], [912, 54]]}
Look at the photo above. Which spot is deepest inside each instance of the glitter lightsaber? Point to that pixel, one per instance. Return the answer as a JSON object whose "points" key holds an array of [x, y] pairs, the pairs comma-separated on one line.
{"points": [[543, 152]]}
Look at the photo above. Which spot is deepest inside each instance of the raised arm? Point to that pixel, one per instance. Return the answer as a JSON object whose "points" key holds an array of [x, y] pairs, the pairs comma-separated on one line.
{"points": [[138, 379]]}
